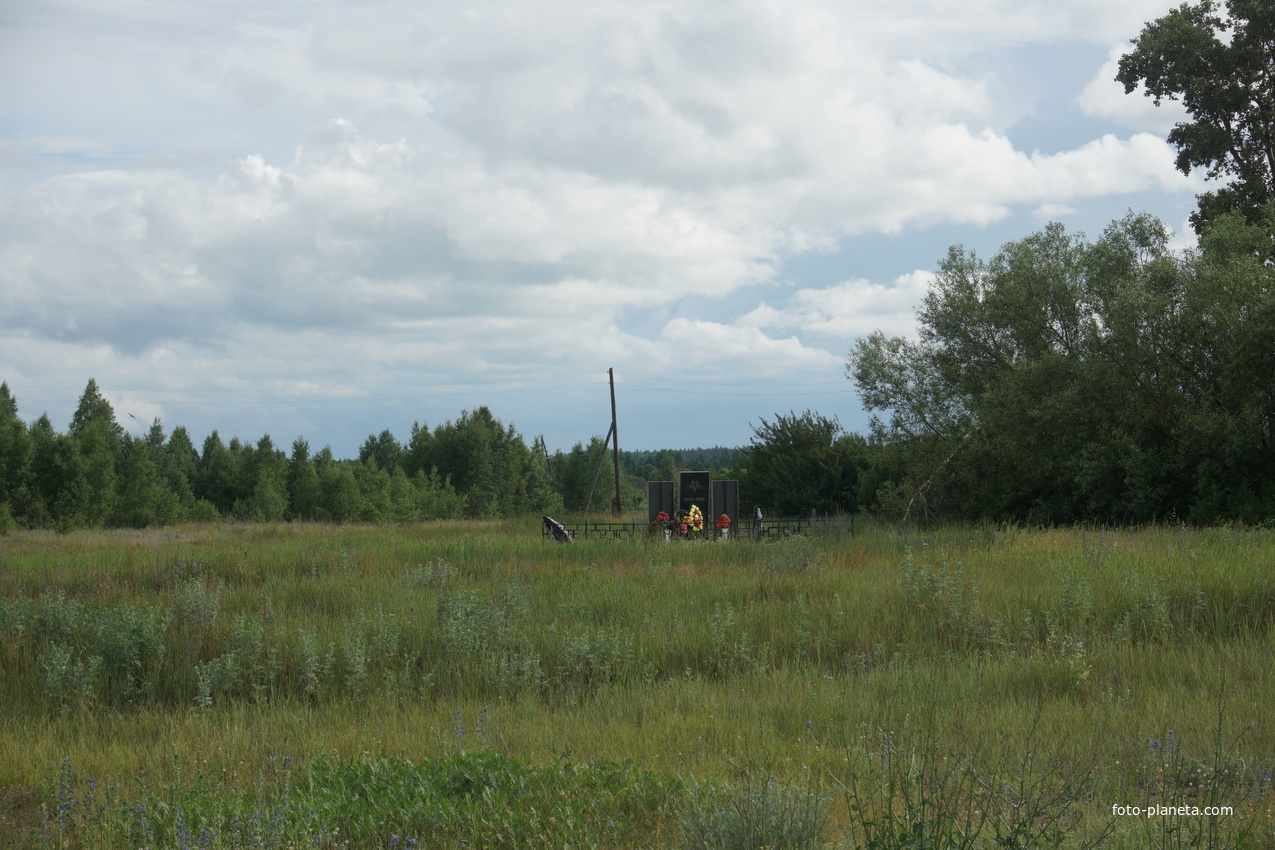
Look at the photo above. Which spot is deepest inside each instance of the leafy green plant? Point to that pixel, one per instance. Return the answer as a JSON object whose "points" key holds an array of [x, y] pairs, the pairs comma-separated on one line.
{"points": [[196, 604], [436, 574], [947, 601], [69, 680], [474, 799], [916, 795], [1187, 792], [131, 645], [913, 798], [755, 814], [1075, 606], [1060, 666], [595, 658], [1147, 616], [482, 644]]}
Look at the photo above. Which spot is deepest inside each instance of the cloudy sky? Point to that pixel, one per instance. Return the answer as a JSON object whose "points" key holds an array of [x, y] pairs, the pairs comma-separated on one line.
{"points": [[325, 219]]}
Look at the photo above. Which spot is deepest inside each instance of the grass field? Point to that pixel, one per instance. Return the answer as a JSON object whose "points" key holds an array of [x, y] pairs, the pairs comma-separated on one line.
{"points": [[466, 684]]}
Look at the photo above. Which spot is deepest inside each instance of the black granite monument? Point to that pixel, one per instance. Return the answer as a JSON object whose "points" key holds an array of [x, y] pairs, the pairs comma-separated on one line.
{"points": [[726, 501], [659, 497], [693, 489]]}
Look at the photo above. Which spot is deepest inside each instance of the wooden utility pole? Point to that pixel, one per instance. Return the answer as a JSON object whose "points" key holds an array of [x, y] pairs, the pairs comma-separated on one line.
{"points": [[612, 434], [544, 447], [616, 508], [597, 470]]}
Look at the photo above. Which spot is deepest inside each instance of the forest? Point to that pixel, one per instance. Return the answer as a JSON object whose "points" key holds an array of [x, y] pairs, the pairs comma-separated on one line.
{"points": [[1068, 380], [96, 474]]}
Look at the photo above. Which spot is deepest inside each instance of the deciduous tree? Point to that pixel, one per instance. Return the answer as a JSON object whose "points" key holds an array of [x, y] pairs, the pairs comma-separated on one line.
{"points": [[1222, 69], [1066, 380], [802, 462], [383, 450]]}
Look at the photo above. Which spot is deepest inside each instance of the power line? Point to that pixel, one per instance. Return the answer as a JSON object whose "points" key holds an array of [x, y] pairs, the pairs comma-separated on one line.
{"points": [[738, 389], [309, 389], [736, 383], [740, 395], [303, 402]]}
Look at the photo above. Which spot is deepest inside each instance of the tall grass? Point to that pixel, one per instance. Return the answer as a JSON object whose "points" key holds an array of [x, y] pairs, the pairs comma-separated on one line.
{"points": [[232, 646]]}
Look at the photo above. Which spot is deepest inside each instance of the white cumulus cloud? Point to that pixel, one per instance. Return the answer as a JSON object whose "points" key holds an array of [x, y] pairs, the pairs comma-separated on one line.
{"points": [[284, 194], [1105, 97]]}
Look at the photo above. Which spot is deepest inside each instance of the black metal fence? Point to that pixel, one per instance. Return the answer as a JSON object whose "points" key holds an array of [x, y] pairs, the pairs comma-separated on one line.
{"points": [[744, 530]]}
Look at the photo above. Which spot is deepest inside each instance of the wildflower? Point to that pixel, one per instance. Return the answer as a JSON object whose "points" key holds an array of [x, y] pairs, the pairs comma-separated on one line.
{"points": [[66, 794]]}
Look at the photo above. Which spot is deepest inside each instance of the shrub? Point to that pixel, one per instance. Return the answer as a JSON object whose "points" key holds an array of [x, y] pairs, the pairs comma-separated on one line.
{"points": [[947, 600], [69, 681], [758, 813]]}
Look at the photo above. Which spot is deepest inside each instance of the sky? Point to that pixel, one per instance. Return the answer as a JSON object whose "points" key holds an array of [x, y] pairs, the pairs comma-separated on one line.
{"points": [[328, 219]]}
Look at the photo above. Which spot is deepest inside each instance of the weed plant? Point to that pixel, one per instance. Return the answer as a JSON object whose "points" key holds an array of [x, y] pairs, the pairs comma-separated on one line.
{"points": [[226, 644], [482, 799], [753, 814]]}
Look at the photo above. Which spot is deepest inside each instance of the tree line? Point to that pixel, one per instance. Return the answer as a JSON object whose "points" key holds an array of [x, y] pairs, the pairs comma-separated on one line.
{"points": [[97, 474], [1066, 380]]}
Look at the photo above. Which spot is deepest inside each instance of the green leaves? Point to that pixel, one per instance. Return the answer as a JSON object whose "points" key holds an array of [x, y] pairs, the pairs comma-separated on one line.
{"points": [[98, 474], [897, 374], [1220, 69], [1113, 380], [802, 462], [487, 462]]}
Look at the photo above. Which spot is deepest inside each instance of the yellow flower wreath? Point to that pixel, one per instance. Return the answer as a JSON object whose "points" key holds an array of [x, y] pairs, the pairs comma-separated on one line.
{"points": [[696, 519]]}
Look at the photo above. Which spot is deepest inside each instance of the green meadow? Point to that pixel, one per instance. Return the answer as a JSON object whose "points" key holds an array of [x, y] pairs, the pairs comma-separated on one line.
{"points": [[467, 684]]}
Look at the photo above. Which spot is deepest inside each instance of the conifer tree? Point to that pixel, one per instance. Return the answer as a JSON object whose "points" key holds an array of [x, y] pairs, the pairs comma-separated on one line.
{"points": [[15, 458], [138, 499], [95, 448], [303, 482]]}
